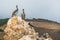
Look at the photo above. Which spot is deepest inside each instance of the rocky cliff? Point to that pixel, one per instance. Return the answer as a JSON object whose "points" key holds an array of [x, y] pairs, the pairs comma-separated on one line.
{"points": [[18, 29]]}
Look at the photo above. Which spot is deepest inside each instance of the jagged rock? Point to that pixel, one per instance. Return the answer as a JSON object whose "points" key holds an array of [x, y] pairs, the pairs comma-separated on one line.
{"points": [[18, 29], [45, 36]]}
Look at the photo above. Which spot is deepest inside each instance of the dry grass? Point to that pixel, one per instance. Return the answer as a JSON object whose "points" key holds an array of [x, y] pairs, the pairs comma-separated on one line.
{"points": [[52, 28]]}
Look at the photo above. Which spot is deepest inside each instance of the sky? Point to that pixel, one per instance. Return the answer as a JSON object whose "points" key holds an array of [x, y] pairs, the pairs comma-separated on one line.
{"points": [[45, 9]]}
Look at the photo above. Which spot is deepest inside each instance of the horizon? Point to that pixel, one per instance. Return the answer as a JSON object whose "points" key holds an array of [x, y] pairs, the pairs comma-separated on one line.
{"points": [[45, 9]]}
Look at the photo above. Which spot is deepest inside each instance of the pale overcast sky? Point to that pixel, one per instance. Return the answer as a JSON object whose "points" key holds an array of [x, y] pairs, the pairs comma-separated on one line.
{"points": [[46, 9]]}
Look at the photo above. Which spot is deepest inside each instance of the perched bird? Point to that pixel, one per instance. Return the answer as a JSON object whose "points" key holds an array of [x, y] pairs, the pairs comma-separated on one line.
{"points": [[15, 11]]}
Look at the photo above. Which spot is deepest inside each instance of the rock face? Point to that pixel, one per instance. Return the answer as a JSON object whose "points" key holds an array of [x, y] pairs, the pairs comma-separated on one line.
{"points": [[18, 29]]}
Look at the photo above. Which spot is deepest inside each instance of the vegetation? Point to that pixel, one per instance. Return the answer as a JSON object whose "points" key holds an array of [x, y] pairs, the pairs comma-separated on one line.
{"points": [[3, 21], [1, 30]]}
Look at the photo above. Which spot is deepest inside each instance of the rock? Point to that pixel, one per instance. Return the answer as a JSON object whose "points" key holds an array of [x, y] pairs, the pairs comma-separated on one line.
{"points": [[18, 29], [45, 36]]}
